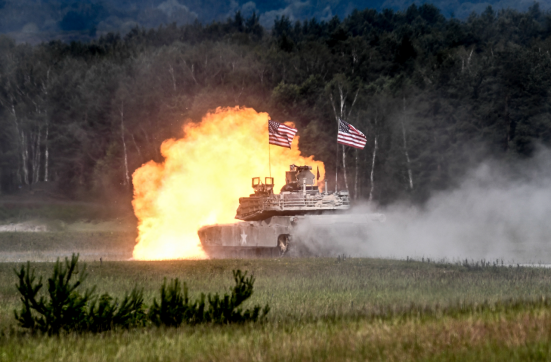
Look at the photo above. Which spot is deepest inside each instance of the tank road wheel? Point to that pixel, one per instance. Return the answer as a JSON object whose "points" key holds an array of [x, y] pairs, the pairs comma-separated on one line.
{"points": [[283, 244]]}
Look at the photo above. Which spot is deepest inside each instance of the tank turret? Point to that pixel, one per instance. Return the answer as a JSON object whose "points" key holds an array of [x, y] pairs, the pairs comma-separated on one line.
{"points": [[299, 196]]}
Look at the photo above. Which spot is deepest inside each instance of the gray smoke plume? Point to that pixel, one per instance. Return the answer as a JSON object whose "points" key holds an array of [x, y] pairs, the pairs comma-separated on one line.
{"points": [[496, 212]]}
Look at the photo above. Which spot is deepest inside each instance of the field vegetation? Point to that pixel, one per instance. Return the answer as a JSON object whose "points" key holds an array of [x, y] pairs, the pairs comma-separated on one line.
{"points": [[321, 309], [47, 246], [41, 227]]}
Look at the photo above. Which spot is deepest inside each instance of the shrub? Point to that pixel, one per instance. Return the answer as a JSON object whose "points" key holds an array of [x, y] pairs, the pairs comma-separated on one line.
{"points": [[109, 314], [176, 308], [68, 310], [223, 310], [64, 309]]}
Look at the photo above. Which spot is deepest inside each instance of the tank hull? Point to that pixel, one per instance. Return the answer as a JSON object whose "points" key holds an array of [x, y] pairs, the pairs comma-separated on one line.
{"points": [[310, 235]]}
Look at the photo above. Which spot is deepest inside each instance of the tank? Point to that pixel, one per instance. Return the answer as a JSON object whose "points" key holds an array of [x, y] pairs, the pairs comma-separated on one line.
{"points": [[299, 221]]}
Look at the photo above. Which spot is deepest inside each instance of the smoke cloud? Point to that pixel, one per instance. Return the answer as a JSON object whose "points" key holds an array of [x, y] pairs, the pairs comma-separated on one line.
{"points": [[496, 212]]}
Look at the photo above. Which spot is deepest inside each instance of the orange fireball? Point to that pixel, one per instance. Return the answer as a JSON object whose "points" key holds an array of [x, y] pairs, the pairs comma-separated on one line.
{"points": [[202, 178]]}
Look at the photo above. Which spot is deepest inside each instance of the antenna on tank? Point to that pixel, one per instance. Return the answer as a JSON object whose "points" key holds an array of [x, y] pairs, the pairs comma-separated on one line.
{"points": [[270, 159]]}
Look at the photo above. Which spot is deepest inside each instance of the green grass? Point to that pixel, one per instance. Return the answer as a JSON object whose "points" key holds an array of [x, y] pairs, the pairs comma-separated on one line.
{"points": [[48, 246], [66, 211], [322, 309]]}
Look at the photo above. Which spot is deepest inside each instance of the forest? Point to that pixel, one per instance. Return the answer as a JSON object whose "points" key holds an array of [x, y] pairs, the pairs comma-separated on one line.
{"points": [[435, 96]]}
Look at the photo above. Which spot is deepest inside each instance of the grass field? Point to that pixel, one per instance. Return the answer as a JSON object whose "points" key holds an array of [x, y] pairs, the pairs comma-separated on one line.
{"points": [[322, 309], [48, 246]]}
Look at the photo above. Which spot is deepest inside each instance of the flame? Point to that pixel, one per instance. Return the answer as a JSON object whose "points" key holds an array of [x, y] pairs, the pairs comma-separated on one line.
{"points": [[202, 178]]}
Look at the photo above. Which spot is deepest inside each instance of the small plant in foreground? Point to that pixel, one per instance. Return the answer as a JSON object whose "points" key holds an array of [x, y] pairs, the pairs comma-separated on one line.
{"points": [[176, 308], [68, 310], [64, 309]]}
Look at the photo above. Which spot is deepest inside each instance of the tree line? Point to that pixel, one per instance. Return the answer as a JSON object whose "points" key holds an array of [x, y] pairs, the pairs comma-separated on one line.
{"points": [[433, 95]]}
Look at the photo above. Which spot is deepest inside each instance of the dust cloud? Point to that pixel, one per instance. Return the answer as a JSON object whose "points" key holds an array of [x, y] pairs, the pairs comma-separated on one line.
{"points": [[496, 212]]}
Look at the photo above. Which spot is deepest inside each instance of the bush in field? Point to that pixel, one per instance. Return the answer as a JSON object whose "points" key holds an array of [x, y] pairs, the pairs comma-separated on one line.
{"points": [[66, 309], [109, 313], [176, 308], [225, 309]]}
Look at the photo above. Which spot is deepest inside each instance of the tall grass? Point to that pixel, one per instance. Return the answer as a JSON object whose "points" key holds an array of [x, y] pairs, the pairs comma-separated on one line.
{"points": [[321, 309]]}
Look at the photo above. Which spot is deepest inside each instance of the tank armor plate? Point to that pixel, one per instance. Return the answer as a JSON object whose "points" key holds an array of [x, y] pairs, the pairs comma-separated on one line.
{"points": [[256, 208]]}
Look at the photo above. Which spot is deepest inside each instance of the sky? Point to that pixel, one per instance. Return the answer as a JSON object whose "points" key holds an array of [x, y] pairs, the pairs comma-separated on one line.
{"points": [[48, 19]]}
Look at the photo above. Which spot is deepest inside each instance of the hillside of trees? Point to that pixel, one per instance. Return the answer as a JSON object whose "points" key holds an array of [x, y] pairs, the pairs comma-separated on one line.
{"points": [[34, 21], [433, 95]]}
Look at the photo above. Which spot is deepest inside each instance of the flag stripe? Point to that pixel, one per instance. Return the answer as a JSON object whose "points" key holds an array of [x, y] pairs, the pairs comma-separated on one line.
{"points": [[350, 136], [353, 144], [357, 146], [280, 134]]}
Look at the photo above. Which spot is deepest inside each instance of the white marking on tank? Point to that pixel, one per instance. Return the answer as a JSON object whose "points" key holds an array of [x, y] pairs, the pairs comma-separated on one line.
{"points": [[243, 238]]}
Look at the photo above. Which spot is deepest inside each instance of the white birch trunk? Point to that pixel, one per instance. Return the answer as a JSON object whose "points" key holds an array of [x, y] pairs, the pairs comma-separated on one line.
{"points": [[46, 151], [337, 153], [35, 157], [23, 172], [342, 109], [25, 158], [406, 148], [126, 174], [47, 131], [371, 177], [356, 177], [137, 147], [343, 112], [344, 167], [171, 71]]}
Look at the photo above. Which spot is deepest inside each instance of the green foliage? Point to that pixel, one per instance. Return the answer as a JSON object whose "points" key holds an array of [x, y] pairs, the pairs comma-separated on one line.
{"points": [[225, 309], [64, 309], [355, 310], [107, 313], [68, 310], [455, 85], [176, 308]]}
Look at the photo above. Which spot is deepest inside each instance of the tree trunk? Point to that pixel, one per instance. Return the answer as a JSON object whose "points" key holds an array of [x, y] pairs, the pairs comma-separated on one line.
{"points": [[171, 71], [23, 174], [137, 147], [126, 174], [337, 169], [344, 167], [337, 153], [356, 177], [25, 158], [371, 178], [47, 131], [508, 123], [35, 156], [46, 151], [342, 111], [406, 148]]}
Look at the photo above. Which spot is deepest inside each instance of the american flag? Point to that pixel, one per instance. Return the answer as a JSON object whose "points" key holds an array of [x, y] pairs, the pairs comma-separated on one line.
{"points": [[348, 135], [280, 134]]}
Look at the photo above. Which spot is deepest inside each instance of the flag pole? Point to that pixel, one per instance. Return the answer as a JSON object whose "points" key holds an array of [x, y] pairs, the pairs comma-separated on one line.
{"points": [[337, 169], [269, 158]]}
